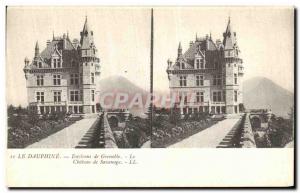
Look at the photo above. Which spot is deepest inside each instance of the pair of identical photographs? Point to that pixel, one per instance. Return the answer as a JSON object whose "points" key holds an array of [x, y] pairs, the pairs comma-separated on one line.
{"points": [[89, 84], [193, 77]]}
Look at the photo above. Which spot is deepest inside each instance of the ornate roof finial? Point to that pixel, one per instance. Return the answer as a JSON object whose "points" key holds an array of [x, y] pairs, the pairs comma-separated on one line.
{"points": [[53, 35], [179, 46], [36, 50], [67, 34], [37, 45], [179, 50], [210, 34], [196, 36], [85, 27]]}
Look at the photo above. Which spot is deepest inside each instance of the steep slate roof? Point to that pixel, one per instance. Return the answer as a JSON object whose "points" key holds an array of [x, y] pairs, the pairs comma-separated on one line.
{"points": [[68, 51], [205, 45], [229, 41], [86, 40]]}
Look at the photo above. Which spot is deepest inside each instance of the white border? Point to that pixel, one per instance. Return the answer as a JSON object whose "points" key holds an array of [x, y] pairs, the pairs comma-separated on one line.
{"points": [[5, 3]]}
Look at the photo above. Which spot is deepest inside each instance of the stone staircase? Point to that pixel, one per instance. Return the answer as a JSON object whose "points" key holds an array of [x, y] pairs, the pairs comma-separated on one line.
{"points": [[94, 137]]}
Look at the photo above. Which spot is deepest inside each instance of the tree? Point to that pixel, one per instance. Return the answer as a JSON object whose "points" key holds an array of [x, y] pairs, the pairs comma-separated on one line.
{"points": [[157, 121], [291, 120], [33, 117], [10, 110], [175, 116]]}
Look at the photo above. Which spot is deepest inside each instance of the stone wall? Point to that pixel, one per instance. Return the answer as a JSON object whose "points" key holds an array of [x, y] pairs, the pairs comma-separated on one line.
{"points": [[247, 137], [110, 141]]}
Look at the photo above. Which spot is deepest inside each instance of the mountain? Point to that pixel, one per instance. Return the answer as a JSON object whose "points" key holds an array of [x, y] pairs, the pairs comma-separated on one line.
{"points": [[119, 85], [262, 93]]}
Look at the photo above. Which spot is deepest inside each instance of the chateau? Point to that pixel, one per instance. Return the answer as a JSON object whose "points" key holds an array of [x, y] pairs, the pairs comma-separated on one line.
{"points": [[63, 76], [210, 71]]}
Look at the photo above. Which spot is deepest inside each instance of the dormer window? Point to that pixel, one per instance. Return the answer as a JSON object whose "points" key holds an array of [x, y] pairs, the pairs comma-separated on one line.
{"points": [[56, 63], [197, 63], [182, 66], [201, 63]]}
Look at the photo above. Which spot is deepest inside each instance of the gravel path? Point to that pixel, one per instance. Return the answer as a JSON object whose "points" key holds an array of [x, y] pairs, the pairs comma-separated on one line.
{"points": [[208, 138], [67, 137]]}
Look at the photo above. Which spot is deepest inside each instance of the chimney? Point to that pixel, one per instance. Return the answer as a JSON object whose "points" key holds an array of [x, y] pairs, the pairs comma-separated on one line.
{"points": [[48, 42], [75, 43], [64, 41], [218, 42], [169, 63]]}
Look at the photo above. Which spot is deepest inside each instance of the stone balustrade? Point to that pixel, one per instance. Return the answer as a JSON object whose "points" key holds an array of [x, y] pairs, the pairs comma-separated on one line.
{"points": [[109, 138], [247, 137]]}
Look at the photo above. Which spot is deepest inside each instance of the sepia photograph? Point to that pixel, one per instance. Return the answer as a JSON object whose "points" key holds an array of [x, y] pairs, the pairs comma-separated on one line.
{"points": [[138, 96], [80, 77], [226, 81]]}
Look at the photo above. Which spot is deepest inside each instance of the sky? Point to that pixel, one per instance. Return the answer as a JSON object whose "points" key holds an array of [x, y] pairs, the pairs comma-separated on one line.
{"points": [[122, 36]]}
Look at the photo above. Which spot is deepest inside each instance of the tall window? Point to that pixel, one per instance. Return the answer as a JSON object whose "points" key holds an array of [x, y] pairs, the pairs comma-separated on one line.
{"points": [[81, 95], [217, 96], [40, 97], [182, 66], [235, 96], [201, 63], [93, 78], [40, 65], [57, 96], [217, 79], [185, 99], [224, 96], [40, 80], [214, 96], [93, 95], [56, 79], [74, 95], [197, 63], [199, 80], [182, 80], [235, 78], [199, 97], [81, 78], [56, 63], [74, 79]]}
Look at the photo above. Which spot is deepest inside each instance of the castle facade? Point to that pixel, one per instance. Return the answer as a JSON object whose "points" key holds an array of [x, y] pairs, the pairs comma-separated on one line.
{"points": [[63, 76], [211, 71]]}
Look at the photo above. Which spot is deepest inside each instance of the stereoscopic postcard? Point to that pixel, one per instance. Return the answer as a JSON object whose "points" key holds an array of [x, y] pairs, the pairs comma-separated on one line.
{"points": [[150, 96]]}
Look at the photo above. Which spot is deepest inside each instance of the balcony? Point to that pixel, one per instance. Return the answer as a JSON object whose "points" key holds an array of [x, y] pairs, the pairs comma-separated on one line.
{"points": [[48, 103], [220, 103], [75, 103]]}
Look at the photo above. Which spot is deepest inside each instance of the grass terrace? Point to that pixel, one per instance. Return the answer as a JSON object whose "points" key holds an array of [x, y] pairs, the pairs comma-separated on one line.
{"points": [[26, 127], [170, 129]]}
